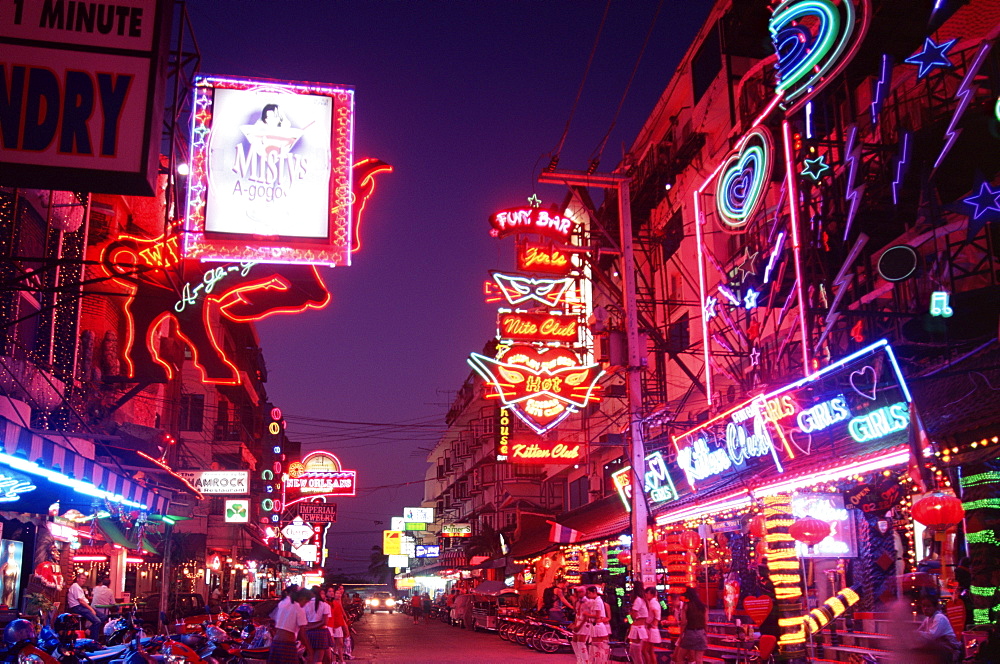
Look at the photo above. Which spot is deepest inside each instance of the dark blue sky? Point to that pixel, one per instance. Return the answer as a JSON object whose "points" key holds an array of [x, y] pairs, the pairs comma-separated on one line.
{"points": [[465, 100]]}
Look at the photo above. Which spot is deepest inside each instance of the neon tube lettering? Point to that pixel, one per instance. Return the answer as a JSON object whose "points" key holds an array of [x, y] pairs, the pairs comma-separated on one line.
{"points": [[823, 415], [879, 423]]}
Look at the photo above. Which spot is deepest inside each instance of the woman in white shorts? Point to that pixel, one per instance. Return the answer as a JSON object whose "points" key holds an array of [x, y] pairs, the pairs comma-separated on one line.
{"points": [[652, 623], [594, 620], [639, 633]]}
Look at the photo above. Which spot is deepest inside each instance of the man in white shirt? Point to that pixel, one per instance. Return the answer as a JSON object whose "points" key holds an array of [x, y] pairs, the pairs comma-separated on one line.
{"points": [[289, 619], [76, 600], [103, 596]]}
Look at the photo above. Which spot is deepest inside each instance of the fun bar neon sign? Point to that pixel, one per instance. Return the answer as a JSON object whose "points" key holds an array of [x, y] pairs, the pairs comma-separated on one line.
{"points": [[531, 220], [537, 327], [543, 451]]}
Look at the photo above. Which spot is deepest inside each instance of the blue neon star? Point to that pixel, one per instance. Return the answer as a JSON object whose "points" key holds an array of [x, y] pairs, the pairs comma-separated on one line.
{"points": [[816, 167], [750, 299], [987, 199], [710, 303], [932, 55]]}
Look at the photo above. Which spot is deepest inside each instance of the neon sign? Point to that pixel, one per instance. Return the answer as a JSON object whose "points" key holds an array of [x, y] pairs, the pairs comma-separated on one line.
{"points": [[939, 304], [277, 188], [657, 481], [930, 56], [879, 423], [271, 506], [525, 290], [823, 415], [503, 434], [540, 387], [538, 258], [545, 451], [12, 485], [538, 327], [532, 220], [320, 473], [809, 37], [745, 171]]}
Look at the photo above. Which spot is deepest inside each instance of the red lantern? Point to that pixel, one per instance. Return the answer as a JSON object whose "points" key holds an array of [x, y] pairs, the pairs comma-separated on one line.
{"points": [[690, 540], [938, 510], [758, 528], [809, 531]]}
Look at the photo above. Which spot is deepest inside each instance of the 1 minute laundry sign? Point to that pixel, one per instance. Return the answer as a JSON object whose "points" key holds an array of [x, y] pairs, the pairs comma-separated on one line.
{"points": [[81, 93], [218, 481]]}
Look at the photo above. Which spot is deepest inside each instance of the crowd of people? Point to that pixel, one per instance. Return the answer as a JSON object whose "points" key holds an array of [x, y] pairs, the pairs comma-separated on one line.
{"points": [[316, 621]]}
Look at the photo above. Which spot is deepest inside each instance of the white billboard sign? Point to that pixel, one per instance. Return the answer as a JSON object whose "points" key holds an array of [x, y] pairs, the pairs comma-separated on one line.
{"points": [[218, 481]]}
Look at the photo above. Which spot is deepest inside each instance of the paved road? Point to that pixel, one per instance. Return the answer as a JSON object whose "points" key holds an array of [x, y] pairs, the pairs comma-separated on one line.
{"points": [[392, 639]]}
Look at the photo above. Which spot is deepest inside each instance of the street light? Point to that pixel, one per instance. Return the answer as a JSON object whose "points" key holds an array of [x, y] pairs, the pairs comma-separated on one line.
{"points": [[642, 564]]}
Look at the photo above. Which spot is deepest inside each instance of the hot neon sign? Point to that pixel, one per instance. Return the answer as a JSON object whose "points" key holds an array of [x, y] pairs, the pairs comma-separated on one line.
{"points": [[538, 327], [532, 220], [540, 387]]}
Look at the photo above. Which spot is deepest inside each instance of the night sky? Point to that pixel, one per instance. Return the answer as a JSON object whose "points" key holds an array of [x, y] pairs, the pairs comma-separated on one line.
{"points": [[466, 100]]}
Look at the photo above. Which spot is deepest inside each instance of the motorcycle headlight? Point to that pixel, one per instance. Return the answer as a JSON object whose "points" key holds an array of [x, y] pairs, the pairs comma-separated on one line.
{"points": [[390, 602]]}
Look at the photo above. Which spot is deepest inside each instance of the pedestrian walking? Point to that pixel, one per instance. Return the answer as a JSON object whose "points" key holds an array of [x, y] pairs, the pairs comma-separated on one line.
{"points": [[579, 643], [340, 626], [638, 634], [318, 641], [595, 619], [693, 620], [289, 619], [652, 624], [416, 607]]}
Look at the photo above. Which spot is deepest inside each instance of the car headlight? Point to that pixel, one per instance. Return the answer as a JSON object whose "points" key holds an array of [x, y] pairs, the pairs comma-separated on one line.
{"points": [[371, 602], [390, 602]]}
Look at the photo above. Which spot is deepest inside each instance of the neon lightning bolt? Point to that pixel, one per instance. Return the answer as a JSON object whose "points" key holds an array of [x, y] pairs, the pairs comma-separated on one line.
{"points": [[854, 194], [841, 282], [902, 166], [964, 96], [881, 87]]}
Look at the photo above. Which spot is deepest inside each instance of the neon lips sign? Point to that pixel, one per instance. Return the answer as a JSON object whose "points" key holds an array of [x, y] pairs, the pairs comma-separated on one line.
{"points": [[540, 387]]}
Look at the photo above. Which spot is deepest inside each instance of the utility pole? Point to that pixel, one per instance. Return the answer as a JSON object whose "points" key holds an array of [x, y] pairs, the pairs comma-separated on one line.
{"points": [[643, 568]]}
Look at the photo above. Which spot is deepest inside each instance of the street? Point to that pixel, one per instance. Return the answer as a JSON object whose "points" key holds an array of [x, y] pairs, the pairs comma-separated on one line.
{"points": [[388, 639]]}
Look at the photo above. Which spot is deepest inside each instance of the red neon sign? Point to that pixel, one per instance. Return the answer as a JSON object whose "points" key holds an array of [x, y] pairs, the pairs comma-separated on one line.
{"points": [[541, 258], [540, 387], [538, 327], [532, 220], [545, 451]]}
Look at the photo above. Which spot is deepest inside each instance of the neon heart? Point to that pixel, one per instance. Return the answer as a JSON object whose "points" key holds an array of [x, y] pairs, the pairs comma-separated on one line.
{"points": [[809, 37], [745, 171], [758, 608], [796, 436], [865, 382]]}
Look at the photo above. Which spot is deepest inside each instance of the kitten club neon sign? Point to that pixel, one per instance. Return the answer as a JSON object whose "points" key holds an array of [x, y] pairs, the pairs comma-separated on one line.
{"points": [[545, 451]]}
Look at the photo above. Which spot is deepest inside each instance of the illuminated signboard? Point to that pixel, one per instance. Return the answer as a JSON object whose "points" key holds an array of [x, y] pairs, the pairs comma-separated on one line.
{"points": [[392, 542], [503, 434], [658, 484], [319, 473], [414, 526], [83, 90], [419, 514], [827, 507], [538, 327], [318, 512], [218, 481], [397, 523], [399, 560], [542, 387], [521, 291], [270, 172], [456, 530], [532, 220], [428, 551], [272, 470], [546, 451], [237, 511], [856, 405], [549, 259], [12, 485]]}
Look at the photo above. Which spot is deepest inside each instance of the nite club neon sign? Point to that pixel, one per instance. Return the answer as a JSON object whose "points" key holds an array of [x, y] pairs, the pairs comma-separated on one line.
{"points": [[538, 327], [532, 220]]}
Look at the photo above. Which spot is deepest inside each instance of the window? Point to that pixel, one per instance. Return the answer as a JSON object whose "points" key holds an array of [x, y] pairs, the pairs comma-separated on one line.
{"points": [[679, 335], [192, 412], [579, 493]]}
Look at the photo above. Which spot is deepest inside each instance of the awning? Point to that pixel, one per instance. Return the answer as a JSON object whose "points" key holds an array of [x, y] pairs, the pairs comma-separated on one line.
{"points": [[114, 534], [40, 457]]}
